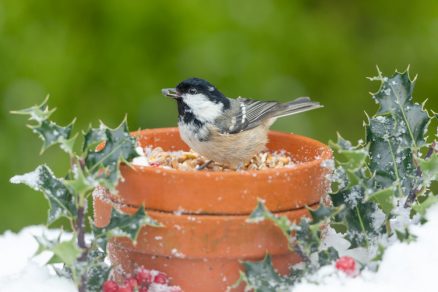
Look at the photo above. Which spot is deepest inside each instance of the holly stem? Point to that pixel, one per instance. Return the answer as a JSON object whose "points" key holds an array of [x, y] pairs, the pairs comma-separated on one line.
{"points": [[80, 230]]}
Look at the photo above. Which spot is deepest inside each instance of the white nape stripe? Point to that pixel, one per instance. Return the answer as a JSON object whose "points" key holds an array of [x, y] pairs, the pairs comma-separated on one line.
{"points": [[204, 109], [233, 123], [243, 110]]}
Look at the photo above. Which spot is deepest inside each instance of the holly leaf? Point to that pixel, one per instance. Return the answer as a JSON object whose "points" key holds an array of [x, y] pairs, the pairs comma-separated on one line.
{"points": [[261, 276], [357, 215], [50, 132], [123, 225], [353, 157], [327, 256], [391, 162], [93, 137], [384, 199], [405, 236], [38, 113], [422, 207], [103, 163], [96, 270], [67, 251], [395, 98], [429, 168], [323, 213], [396, 133], [261, 213], [45, 244], [61, 200]]}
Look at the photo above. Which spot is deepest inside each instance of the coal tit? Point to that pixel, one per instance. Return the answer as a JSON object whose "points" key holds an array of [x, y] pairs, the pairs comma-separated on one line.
{"points": [[225, 130]]}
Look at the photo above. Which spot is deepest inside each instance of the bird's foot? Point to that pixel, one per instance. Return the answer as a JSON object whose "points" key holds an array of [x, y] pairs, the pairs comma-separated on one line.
{"points": [[204, 166]]}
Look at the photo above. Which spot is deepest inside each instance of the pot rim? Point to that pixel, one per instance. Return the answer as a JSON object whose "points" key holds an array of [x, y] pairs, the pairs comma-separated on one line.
{"points": [[325, 154]]}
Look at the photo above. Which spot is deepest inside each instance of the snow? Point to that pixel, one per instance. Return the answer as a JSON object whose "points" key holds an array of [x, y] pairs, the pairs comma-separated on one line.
{"points": [[406, 267], [20, 272], [31, 179]]}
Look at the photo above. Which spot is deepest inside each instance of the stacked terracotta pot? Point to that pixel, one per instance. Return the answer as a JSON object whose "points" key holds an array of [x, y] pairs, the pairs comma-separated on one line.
{"points": [[205, 233]]}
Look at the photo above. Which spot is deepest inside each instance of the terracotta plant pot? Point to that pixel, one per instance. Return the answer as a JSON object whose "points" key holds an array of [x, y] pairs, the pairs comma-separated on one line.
{"points": [[204, 213]]}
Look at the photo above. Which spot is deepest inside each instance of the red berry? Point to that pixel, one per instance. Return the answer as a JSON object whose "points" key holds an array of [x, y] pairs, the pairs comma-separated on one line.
{"points": [[161, 278], [143, 289], [347, 265], [110, 286], [125, 289], [144, 277], [131, 283]]}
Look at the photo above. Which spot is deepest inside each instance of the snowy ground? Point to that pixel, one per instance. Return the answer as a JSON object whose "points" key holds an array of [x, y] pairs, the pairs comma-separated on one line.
{"points": [[405, 267], [20, 272]]}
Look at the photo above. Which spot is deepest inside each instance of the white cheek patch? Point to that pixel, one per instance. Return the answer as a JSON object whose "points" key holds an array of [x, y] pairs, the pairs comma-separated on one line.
{"points": [[203, 109]]}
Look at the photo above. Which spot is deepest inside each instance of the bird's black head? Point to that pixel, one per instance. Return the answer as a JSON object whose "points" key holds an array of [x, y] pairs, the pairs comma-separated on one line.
{"points": [[195, 86]]}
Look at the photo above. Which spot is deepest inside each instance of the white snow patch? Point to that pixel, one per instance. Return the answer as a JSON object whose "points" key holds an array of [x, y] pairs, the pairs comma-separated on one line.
{"points": [[405, 267], [19, 271], [31, 179]]}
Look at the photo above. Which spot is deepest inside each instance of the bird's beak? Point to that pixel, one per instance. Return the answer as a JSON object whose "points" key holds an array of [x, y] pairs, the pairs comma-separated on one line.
{"points": [[171, 92]]}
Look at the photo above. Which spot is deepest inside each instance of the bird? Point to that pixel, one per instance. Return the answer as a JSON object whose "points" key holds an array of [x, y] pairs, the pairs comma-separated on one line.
{"points": [[229, 131]]}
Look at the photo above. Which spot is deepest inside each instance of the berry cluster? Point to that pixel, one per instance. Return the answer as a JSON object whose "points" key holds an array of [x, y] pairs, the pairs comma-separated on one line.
{"points": [[142, 281], [347, 265]]}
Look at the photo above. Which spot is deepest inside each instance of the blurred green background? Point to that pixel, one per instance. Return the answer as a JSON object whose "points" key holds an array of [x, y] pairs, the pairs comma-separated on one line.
{"points": [[101, 59]]}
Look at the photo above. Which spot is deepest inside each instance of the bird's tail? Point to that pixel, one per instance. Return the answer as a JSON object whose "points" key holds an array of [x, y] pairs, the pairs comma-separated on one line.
{"points": [[299, 105]]}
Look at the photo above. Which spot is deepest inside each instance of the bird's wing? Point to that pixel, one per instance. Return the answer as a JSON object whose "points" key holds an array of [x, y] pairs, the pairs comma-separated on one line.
{"points": [[250, 113]]}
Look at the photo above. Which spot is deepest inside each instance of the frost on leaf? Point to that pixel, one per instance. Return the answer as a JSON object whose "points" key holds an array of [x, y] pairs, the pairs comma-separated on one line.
{"points": [[61, 200], [396, 133]]}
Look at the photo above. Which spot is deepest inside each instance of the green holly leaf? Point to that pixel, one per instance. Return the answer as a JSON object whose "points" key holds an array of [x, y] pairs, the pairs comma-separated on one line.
{"points": [[93, 137], [396, 133], [79, 182], [353, 157], [261, 276], [45, 244], [429, 168], [61, 200], [395, 98], [48, 131], [37, 113], [405, 236], [357, 215], [96, 270], [422, 207], [123, 225], [391, 162], [327, 256], [323, 213], [67, 251], [52, 134], [261, 213], [103, 164], [384, 199], [307, 239]]}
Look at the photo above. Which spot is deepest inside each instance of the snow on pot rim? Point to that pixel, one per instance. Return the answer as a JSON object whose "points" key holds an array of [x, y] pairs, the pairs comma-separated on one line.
{"points": [[226, 192]]}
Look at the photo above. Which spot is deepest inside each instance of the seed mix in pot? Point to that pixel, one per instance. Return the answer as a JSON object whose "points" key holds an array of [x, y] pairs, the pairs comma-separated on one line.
{"points": [[190, 160]]}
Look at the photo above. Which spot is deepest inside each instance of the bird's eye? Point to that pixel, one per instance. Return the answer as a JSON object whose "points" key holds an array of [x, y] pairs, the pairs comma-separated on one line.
{"points": [[193, 90]]}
